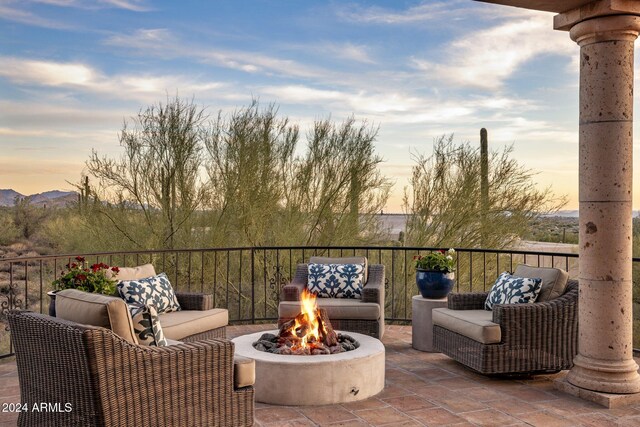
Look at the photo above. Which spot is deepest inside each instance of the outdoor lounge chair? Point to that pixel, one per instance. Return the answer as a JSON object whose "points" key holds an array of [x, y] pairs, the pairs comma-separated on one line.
{"points": [[89, 376], [363, 315], [512, 338]]}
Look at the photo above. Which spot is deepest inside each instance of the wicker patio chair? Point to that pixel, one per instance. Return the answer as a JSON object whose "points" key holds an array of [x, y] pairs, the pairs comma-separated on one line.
{"points": [[534, 338], [365, 315], [189, 301], [98, 379]]}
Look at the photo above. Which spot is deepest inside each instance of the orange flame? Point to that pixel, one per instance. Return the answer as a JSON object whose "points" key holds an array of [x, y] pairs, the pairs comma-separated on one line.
{"points": [[308, 309]]}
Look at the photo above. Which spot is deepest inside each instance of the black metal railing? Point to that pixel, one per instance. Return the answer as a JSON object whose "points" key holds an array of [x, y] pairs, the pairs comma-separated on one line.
{"points": [[247, 280]]}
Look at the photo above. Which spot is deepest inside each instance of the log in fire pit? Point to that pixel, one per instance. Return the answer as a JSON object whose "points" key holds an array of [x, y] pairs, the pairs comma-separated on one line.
{"points": [[306, 362], [310, 333]]}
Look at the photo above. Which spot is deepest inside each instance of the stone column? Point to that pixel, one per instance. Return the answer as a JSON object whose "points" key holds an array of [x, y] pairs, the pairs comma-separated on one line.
{"points": [[605, 359]]}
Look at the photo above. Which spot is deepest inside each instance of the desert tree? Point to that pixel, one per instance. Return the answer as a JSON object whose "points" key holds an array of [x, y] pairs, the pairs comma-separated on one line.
{"points": [[444, 203], [158, 175], [27, 217], [268, 190], [338, 184], [250, 155]]}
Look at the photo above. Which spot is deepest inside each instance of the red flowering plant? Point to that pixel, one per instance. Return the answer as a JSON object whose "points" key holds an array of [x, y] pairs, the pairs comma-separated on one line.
{"points": [[441, 260], [79, 275]]}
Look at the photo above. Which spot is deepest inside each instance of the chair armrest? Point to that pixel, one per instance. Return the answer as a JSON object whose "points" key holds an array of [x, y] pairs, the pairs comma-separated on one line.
{"points": [[292, 291], [195, 301], [167, 385], [552, 322], [466, 300], [373, 291]]}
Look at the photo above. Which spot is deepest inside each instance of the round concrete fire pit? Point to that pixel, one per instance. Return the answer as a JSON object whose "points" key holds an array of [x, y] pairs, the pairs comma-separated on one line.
{"points": [[316, 380]]}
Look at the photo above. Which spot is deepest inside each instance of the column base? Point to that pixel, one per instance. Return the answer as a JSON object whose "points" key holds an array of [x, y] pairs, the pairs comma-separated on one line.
{"points": [[605, 376], [608, 400]]}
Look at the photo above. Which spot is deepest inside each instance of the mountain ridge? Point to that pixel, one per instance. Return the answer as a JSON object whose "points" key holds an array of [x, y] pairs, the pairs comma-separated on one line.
{"points": [[53, 197]]}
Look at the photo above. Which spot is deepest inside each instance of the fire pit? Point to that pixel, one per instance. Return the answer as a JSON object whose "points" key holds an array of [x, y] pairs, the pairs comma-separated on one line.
{"points": [[306, 362], [316, 380]]}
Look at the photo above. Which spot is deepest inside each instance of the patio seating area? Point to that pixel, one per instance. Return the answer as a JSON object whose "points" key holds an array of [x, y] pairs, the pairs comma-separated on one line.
{"points": [[421, 389]]}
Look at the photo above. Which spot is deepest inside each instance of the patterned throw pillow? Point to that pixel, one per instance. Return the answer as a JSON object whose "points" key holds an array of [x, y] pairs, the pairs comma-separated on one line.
{"points": [[146, 325], [154, 290], [336, 280], [509, 289]]}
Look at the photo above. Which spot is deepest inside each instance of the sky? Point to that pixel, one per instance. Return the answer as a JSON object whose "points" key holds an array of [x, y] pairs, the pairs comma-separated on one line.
{"points": [[71, 72]]}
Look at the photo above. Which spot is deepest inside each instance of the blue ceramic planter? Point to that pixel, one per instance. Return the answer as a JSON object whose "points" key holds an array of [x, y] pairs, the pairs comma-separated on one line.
{"points": [[434, 284]]}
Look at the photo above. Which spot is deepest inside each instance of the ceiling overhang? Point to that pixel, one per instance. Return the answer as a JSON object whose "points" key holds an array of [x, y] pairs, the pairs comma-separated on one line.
{"points": [[557, 6], [570, 12]]}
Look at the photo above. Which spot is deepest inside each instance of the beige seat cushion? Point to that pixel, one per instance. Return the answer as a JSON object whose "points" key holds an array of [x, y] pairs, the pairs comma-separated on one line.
{"points": [[343, 260], [337, 308], [554, 280], [96, 310], [133, 273], [178, 325], [244, 372], [475, 324]]}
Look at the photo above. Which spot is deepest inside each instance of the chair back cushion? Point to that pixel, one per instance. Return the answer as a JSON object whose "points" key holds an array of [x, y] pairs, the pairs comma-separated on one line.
{"points": [[509, 289], [133, 273], [336, 280], [96, 310], [343, 260], [155, 290], [337, 308], [554, 280]]}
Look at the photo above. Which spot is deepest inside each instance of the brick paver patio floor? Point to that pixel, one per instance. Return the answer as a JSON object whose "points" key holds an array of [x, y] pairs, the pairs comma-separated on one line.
{"points": [[422, 389]]}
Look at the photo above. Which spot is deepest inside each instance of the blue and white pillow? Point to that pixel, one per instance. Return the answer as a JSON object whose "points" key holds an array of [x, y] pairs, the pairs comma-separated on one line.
{"points": [[336, 280], [146, 325], [154, 290], [509, 289]]}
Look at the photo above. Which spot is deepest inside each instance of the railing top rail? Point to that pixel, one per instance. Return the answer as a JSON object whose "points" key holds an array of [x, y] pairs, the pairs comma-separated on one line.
{"points": [[139, 252], [426, 248], [315, 247]]}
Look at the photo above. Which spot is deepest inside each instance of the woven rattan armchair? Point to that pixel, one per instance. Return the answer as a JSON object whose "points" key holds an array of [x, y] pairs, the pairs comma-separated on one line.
{"points": [[189, 301], [352, 318], [98, 379], [538, 337]]}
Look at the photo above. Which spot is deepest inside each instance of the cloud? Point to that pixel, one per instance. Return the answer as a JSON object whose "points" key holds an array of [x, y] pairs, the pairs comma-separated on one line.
{"points": [[10, 10], [485, 59], [132, 5], [378, 15], [436, 12], [163, 43], [9, 13], [84, 78], [46, 73], [384, 106], [344, 51], [360, 101], [353, 52], [4, 131], [24, 119]]}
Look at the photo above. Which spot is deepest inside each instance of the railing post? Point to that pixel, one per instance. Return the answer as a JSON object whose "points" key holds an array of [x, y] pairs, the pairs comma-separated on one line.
{"points": [[253, 284]]}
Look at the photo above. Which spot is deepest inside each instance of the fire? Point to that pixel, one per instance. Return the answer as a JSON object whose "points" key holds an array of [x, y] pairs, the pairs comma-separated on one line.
{"points": [[310, 332], [307, 326]]}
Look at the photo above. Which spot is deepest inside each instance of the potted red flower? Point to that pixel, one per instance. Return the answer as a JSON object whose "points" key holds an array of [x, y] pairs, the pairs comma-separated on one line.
{"points": [[79, 275]]}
